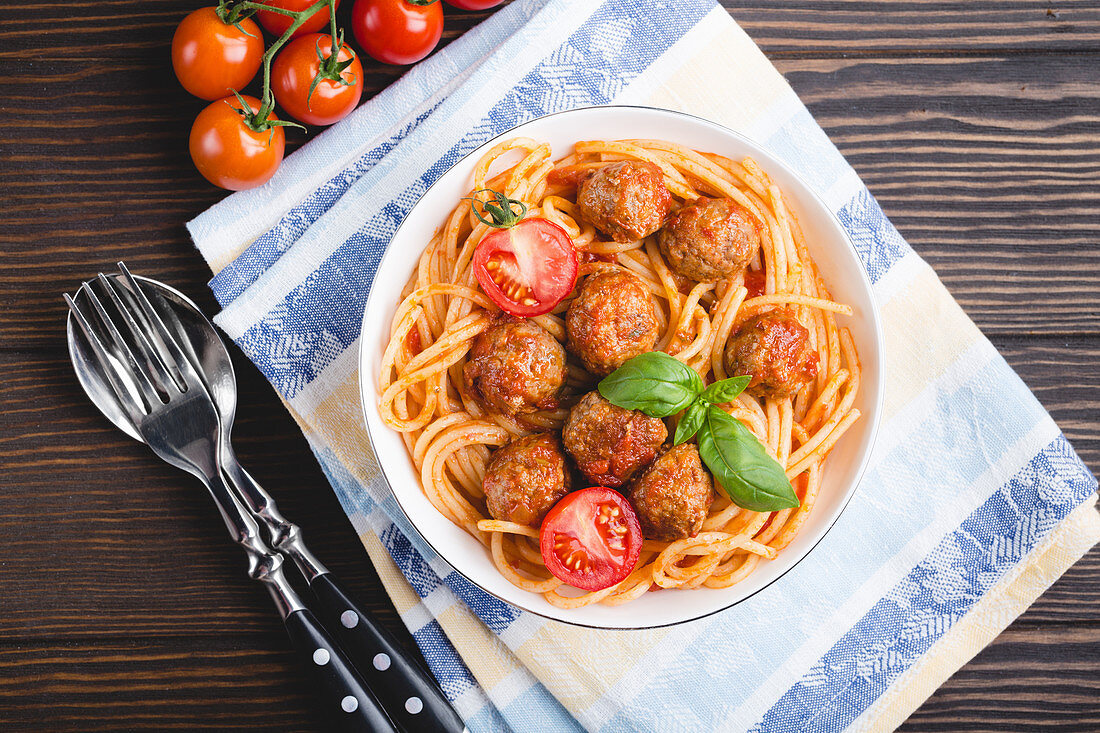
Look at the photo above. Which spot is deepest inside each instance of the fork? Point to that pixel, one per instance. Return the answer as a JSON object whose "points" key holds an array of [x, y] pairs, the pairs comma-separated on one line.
{"points": [[169, 405], [409, 695]]}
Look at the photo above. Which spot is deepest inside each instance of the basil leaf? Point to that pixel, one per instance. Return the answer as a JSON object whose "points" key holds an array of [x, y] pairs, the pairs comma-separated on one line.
{"points": [[690, 422], [726, 390], [750, 477], [654, 383]]}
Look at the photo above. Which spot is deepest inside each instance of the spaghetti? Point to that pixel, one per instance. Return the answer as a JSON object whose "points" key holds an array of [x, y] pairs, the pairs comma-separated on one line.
{"points": [[450, 436]]}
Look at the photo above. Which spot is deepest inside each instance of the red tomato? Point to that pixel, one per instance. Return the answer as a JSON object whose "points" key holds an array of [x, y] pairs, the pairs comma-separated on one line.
{"points": [[210, 58], [474, 4], [276, 23], [292, 75], [591, 539], [527, 269], [230, 154], [397, 31]]}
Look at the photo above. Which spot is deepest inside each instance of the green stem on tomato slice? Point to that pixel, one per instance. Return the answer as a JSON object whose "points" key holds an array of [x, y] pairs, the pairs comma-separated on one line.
{"points": [[501, 209]]}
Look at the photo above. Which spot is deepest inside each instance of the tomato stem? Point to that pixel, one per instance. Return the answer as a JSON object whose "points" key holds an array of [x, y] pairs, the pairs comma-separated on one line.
{"points": [[500, 208], [331, 67], [232, 13]]}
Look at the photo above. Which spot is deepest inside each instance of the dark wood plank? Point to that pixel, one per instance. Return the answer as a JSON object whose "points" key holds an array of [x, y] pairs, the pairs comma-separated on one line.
{"points": [[167, 683], [803, 28], [88, 29], [1028, 679]]}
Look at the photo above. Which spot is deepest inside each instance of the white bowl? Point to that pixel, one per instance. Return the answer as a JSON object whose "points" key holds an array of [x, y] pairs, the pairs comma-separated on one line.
{"points": [[834, 255]]}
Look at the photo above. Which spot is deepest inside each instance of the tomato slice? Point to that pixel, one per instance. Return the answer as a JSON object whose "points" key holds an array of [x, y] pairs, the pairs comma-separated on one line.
{"points": [[527, 269], [591, 539]]}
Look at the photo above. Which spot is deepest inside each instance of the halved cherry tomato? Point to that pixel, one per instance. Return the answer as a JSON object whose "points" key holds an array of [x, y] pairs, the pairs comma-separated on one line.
{"points": [[527, 269], [591, 539], [474, 4], [277, 23], [397, 31], [292, 77], [210, 58], [230, 154]]}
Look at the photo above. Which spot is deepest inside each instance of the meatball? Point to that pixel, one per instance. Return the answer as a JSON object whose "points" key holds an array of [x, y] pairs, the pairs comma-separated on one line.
{"points": [[611, 320], [609, 443], [627, 200], [525, 478], [710, 239], [673, 495], [516, 367], [775, 349]]}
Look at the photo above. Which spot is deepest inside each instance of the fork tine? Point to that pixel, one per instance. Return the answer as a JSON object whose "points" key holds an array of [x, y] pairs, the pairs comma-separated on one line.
{"points": [[107, 364], [144, 381], [146, 342], [175, 351]]}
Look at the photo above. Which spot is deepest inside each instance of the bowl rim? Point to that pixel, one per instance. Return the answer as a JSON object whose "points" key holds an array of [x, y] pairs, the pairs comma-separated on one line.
{"points": [[875, 320]]}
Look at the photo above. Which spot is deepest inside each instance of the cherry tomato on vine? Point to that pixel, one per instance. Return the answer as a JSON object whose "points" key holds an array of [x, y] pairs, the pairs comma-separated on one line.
{"points": [[591, 539], [474, 4], [228, 153], [397, 31], [276, 23], [210, 58], [293, 74]]}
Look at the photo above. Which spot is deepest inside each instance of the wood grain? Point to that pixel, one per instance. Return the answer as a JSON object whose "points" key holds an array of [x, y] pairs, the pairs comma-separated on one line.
{"points": [[91, 29], [976, 124], [165, 683], [1031, 679]]}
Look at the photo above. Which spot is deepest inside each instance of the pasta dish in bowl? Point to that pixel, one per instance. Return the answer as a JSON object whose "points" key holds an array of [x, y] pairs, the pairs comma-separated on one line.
{"points": [[621, 367]]}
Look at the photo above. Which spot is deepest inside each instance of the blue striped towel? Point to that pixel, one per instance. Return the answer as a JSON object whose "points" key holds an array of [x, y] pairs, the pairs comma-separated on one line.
{"points": [[973, 503]]}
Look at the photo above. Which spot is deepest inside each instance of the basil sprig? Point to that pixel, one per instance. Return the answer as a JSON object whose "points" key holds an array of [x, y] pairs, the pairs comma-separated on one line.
{"points": [[659, 385]]}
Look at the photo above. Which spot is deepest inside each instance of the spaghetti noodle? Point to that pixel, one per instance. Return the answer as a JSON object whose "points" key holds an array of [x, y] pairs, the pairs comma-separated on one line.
{"points": [[450, 436]]}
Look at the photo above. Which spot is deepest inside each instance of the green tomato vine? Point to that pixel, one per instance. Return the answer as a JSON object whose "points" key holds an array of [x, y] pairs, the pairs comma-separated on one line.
{"points": [[232, 12]]}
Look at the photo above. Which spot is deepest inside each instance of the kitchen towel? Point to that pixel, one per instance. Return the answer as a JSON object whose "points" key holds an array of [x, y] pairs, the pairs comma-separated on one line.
{"points": [[973, 503]]}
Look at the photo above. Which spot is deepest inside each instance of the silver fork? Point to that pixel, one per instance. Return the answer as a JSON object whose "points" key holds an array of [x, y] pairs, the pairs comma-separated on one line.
{"points": [[169, 405]]}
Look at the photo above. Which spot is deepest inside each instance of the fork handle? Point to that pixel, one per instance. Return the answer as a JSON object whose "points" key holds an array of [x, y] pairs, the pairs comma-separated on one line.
{"points": [[348, 702], [415, 701]]}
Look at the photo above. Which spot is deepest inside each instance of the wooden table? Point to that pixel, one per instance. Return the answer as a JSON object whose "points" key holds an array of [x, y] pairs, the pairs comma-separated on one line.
{"points": [[122, 605]]}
